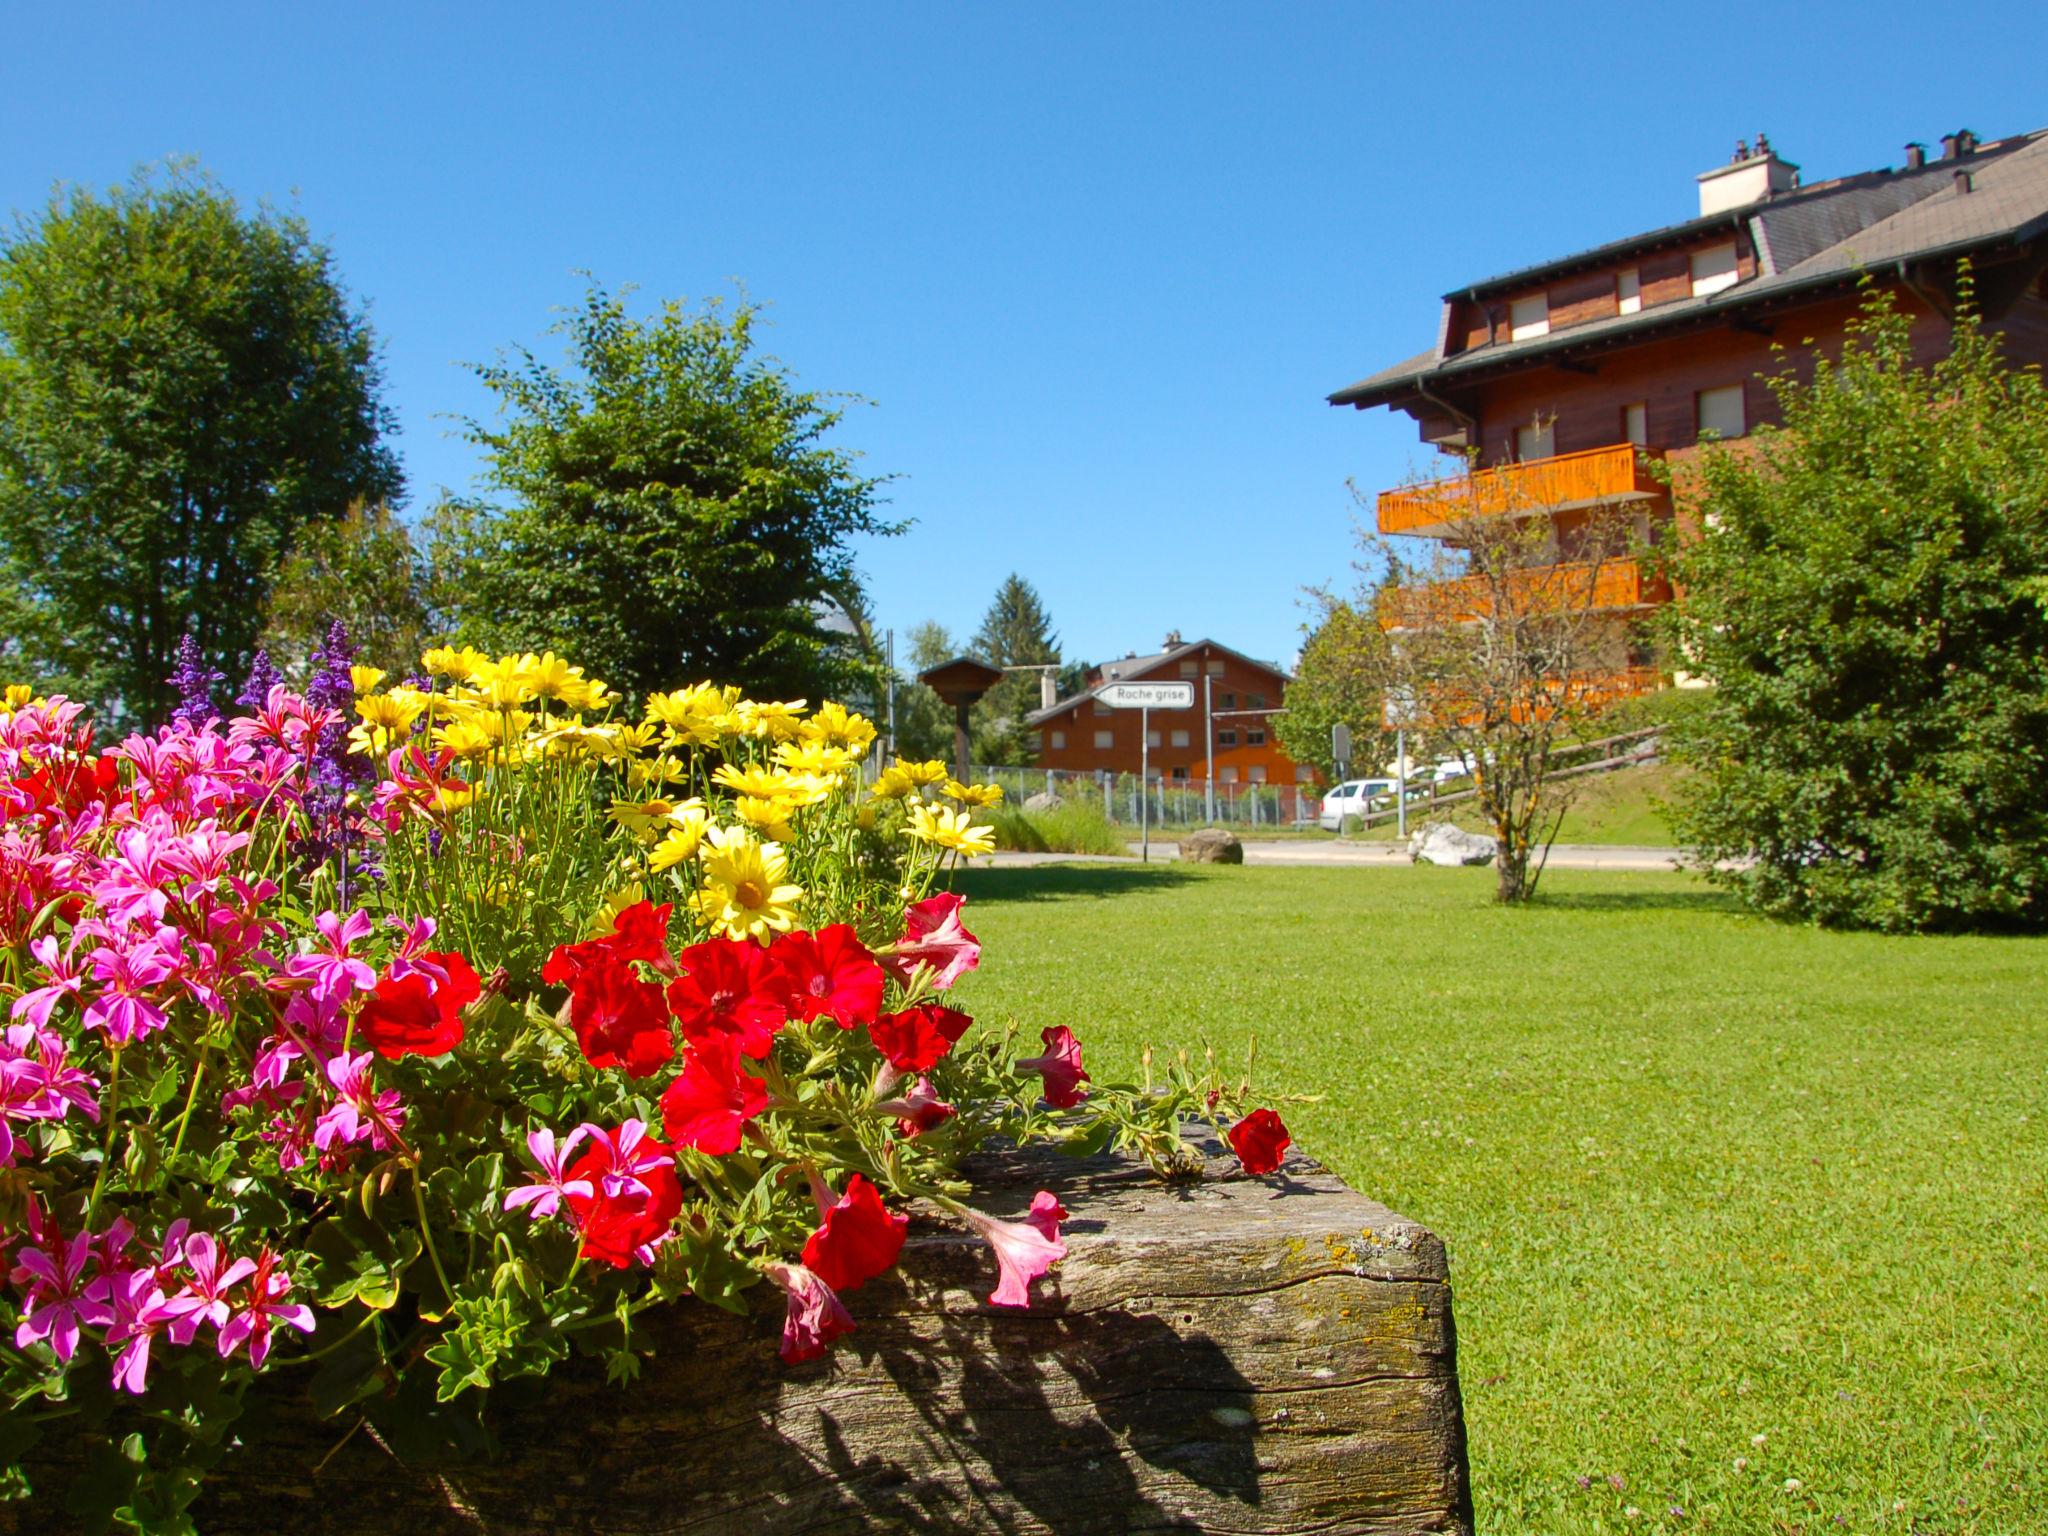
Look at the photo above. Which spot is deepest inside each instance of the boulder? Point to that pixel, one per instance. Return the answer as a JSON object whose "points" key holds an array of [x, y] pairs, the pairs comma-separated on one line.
{"points": [[1212, 845], [1044, 800], [1441, 843]]}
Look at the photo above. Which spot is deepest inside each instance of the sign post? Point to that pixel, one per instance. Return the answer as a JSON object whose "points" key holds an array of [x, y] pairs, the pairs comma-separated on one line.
{"points": [[1398, 710], [1144, 698]]}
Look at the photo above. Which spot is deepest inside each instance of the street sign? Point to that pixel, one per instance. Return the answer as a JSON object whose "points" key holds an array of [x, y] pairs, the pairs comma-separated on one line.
{"points": [[1147, 695], [1400, 709], [1340, 742]]}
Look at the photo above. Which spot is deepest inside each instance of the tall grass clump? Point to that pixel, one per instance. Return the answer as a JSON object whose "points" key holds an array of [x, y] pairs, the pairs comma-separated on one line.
{"points": [[1071, 828]]}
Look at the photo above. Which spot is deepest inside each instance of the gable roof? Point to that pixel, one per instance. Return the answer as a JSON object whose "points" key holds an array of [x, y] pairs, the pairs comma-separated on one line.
{"points": [[1126, 669], [1819, 237]]}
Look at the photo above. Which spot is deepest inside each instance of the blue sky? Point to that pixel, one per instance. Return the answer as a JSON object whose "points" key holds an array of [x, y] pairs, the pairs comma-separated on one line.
{"points": [[1095, 266]]}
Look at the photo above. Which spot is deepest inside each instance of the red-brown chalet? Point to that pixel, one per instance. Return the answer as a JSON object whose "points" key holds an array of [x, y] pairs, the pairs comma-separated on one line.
{"points": [[1562, 379], [1082, 733]]}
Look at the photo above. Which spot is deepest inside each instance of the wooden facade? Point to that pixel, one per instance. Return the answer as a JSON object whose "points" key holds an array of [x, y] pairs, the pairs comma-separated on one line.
{"points": [[1559, 390], [1081, 734]]}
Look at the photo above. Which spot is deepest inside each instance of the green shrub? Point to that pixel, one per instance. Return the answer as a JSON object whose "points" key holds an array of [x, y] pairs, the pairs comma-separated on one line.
{"points": [[1863, 595], [1075, 827]]}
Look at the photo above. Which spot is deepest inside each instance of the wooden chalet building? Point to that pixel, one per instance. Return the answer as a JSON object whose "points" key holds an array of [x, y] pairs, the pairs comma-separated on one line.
{"points": [[1556, 382], [1081, 734]]}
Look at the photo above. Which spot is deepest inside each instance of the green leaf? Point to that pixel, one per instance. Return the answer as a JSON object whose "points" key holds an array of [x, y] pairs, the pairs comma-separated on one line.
{"points": [[356, 1260]]}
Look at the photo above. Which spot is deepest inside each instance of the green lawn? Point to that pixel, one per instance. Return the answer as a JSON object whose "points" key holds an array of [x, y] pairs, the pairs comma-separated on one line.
{"points": [[1715, 1190]]}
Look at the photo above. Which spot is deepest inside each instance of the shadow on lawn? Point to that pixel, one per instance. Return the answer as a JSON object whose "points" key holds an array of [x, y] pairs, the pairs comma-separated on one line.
{"points": [[1701, 901], [1055, 882]]}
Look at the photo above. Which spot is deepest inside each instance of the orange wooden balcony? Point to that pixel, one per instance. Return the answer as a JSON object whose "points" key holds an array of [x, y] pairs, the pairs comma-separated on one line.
{"points": [[1609, 585], [1559, 484]]}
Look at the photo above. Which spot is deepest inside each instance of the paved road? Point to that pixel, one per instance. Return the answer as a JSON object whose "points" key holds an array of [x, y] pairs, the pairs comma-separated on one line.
{"points": [[1563, 856]]}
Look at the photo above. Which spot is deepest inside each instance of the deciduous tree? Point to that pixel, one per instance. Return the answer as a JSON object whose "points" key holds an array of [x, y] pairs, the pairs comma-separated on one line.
{"points": [[1502, 656], [1337, 681], [668, 506], [183, 389]]}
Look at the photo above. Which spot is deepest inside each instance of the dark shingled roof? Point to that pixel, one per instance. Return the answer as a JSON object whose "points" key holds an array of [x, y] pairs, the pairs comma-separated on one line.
{"points": [[1819, 236], [1129, 668]]}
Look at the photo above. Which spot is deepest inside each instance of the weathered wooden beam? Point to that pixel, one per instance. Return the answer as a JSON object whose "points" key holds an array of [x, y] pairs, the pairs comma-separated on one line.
{"points": [[1227, 1355]]}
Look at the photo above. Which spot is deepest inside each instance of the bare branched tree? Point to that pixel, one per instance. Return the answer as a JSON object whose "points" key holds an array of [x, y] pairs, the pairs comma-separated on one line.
{"points": [[1510, 634]]}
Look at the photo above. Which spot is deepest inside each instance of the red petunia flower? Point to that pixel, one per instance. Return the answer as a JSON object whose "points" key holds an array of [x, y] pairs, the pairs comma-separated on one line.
{"points": [[816, 1316], [1060, 1065], [405, 1016], [829, 973], [859, 1238], [917, 1111], [620, 1021], [934, 935], [916, 1038], [1260, 1141], [618, 1222], [638, 933], [729, 987], [706, 1106]]}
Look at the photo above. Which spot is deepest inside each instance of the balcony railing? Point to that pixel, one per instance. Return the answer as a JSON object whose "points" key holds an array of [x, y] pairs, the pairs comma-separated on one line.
{"points": [[1557, 484], [1607, 585]]}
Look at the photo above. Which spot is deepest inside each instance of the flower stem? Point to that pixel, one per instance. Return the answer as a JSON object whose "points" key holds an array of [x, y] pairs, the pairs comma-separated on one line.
{"points": [[92, 1208], [419, 1203], [191, 1098]]}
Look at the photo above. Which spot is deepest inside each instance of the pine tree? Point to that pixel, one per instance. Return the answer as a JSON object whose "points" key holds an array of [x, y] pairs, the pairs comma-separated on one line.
{"points": [[1015, 632]]}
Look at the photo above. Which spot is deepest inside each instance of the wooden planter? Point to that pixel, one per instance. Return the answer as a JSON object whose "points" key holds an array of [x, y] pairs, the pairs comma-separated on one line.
{"points": [[1234, 1355]]}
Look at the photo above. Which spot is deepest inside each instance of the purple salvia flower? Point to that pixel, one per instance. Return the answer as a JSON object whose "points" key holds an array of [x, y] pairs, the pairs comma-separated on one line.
{"points": [[263, 677], [195, 682]]}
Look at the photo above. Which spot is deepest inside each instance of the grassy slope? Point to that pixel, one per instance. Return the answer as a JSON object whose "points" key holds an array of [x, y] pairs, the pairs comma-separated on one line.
{"points": [[1703, 1178], [1612, 809]]}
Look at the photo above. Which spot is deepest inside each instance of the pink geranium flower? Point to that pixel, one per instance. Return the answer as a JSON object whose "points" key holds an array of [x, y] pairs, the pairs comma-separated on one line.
{"points": [[127, 1008], [334, 972], [933, 935], [264, 1307], [59, 1299], [1024, 1250], [62, 979], [359, 1111], [136, 1313], [203, 1298], [544, 1196]]}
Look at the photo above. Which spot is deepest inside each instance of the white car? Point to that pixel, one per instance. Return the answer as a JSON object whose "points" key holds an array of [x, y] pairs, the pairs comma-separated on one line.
{"points": [[1354, 797]]}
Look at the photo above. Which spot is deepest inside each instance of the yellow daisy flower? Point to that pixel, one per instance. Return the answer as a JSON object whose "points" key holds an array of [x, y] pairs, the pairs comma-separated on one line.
{"points": [[777, 722], [933, 772], [363, 679], [682, 833], [606, 919], [815, 757], [745, 894], [974, 794], [695, 717], [942, 828], [761, 783], [447, 661], [836, 726], [767, 818]]}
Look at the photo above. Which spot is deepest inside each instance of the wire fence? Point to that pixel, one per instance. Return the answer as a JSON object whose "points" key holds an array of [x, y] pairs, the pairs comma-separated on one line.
{"points": [[1172, 802]]}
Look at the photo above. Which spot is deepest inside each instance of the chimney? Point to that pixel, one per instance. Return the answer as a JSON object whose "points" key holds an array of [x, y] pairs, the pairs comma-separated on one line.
{"points": [[1048, 689], [1751, 176], [1916, 156], [1954, 146], [1963, 182], [1172, 639]]}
